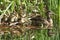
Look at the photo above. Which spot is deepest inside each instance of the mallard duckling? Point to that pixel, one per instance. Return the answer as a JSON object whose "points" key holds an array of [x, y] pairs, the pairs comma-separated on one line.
{"points": [[49, 19], [50, 26], [39, 20]]}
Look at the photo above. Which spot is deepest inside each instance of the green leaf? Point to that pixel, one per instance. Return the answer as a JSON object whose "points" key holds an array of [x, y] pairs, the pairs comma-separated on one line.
{"points": [[17, 2], [12, 6], [8, 7]]}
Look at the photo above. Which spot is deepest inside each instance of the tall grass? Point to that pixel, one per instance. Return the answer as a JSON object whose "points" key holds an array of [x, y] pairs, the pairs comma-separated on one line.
{"points": [[11, 5]]}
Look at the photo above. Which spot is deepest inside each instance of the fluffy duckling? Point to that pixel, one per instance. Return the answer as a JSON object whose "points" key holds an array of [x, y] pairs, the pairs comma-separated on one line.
{"points": [[39, 21], [49, 19]]}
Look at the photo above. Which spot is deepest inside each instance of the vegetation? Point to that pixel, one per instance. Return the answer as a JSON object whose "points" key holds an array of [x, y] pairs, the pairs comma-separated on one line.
{"points": [[13, 12]]}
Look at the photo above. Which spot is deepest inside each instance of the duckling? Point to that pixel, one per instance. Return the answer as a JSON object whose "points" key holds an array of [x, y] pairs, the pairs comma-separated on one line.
{"points": [[39, 21], [14, 17], [25, 20], [4, 19], [49, 19], [36, 20]]}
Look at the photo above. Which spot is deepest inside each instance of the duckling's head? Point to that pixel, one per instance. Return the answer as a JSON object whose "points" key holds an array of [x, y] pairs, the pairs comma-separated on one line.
{"points": [[50, 13]]}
